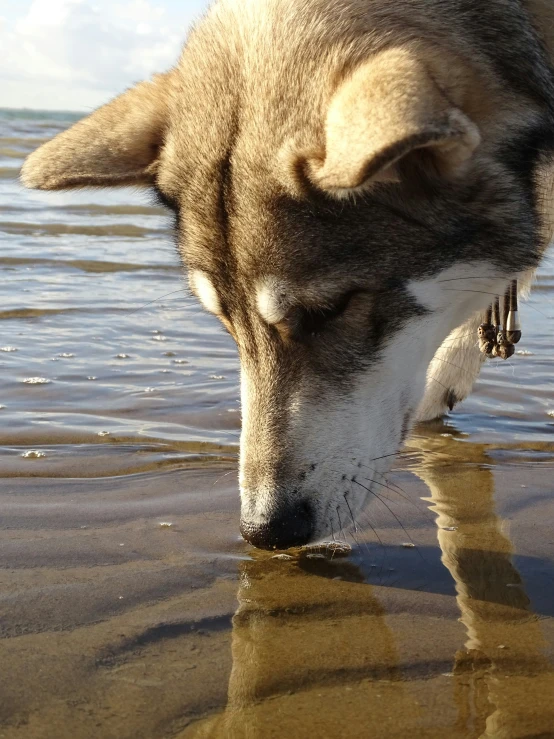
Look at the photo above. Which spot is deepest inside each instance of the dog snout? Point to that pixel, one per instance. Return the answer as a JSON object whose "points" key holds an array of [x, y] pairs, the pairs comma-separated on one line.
{"points": [[291, 525]]}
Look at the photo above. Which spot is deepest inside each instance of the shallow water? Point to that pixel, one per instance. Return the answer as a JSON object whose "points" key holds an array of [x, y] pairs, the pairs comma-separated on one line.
{"points": [[130, 607]]}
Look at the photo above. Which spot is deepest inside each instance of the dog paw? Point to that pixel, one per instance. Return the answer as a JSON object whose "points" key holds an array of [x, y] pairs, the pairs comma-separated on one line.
{"points": [[452, 373], [437, 403]]}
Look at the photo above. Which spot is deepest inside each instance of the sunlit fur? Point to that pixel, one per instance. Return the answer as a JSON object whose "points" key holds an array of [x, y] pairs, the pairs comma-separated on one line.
{"points": [[202, 287], [352, 183], [343, 442]]}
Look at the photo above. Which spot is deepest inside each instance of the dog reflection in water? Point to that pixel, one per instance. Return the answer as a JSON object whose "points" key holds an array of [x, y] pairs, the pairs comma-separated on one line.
{"points": [[504, 684], [319, 658]]}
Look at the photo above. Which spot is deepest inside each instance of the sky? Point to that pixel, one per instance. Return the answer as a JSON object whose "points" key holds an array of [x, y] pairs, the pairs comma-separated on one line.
{"points": [[77, 54]]}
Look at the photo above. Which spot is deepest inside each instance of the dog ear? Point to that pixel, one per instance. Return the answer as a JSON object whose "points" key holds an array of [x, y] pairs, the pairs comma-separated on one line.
{"points": [[387, 109], [118, 144]]}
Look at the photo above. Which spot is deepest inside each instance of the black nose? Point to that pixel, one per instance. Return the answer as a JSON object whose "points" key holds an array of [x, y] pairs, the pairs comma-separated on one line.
{"points": [[292, 525]]}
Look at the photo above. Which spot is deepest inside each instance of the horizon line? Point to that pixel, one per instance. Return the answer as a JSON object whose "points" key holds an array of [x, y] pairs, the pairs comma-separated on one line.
{"points": [[45, 110]]}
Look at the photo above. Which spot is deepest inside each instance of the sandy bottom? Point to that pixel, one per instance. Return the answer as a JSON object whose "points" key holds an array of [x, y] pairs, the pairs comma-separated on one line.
{"points": [[113, 625]]}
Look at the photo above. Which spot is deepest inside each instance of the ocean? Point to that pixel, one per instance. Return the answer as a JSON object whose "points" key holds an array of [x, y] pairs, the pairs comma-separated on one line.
{"points": [[130, 606]]}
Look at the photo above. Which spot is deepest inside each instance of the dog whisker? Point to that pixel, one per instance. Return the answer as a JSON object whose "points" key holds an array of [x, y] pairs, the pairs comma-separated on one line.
{"points": [[384, 497], [367, 521], [391, 512], [454, 339], [439, 359], [400, 453], [219, 479], [357, 542], [333, 532], [350, 511], [156, 300], [457, 279], [398, 490], [340, 522], [439, 382], [481, 292]]}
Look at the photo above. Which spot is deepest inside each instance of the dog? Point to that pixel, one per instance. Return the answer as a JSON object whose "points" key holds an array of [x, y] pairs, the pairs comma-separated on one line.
{"points": [[352, 180]]}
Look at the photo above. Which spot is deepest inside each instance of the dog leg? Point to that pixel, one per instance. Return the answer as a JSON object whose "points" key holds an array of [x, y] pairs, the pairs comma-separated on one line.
{"points": [[453, 371], [457, 363]]}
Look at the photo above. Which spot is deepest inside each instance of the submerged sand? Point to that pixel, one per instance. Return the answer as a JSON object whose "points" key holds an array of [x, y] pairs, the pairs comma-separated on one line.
{"points": [[113, 625]]}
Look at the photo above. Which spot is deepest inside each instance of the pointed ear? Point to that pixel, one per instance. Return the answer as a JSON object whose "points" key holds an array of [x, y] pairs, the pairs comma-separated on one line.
{"points": [[390, 107], [118, 144]]}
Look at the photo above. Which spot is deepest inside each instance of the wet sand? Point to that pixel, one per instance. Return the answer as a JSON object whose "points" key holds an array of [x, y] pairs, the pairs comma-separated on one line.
{"points": [[113, 625], [129, 606]]}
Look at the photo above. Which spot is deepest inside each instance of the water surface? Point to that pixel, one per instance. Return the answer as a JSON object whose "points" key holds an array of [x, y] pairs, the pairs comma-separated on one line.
{"points": [[130, 607]]}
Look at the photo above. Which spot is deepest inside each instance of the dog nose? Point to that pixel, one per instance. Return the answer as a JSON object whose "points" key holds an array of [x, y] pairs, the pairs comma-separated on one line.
{"points": [[289, 526]]}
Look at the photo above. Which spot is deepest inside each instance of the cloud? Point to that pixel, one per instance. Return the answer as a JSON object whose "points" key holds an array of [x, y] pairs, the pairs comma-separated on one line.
{"points": [[62, 51]]}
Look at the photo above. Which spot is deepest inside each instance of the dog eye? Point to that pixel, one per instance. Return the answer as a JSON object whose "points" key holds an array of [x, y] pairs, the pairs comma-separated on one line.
{"points": [[314, 320]]}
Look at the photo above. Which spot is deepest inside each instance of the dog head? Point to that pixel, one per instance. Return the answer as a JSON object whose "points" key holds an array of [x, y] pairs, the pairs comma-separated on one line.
{"points": [[342, 203]]}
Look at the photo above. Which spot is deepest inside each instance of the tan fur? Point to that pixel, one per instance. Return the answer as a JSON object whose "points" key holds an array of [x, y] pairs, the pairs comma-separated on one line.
{"points": [[438, 96], [120, 143], [117, 145], [381, 148], [389, 107]]}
